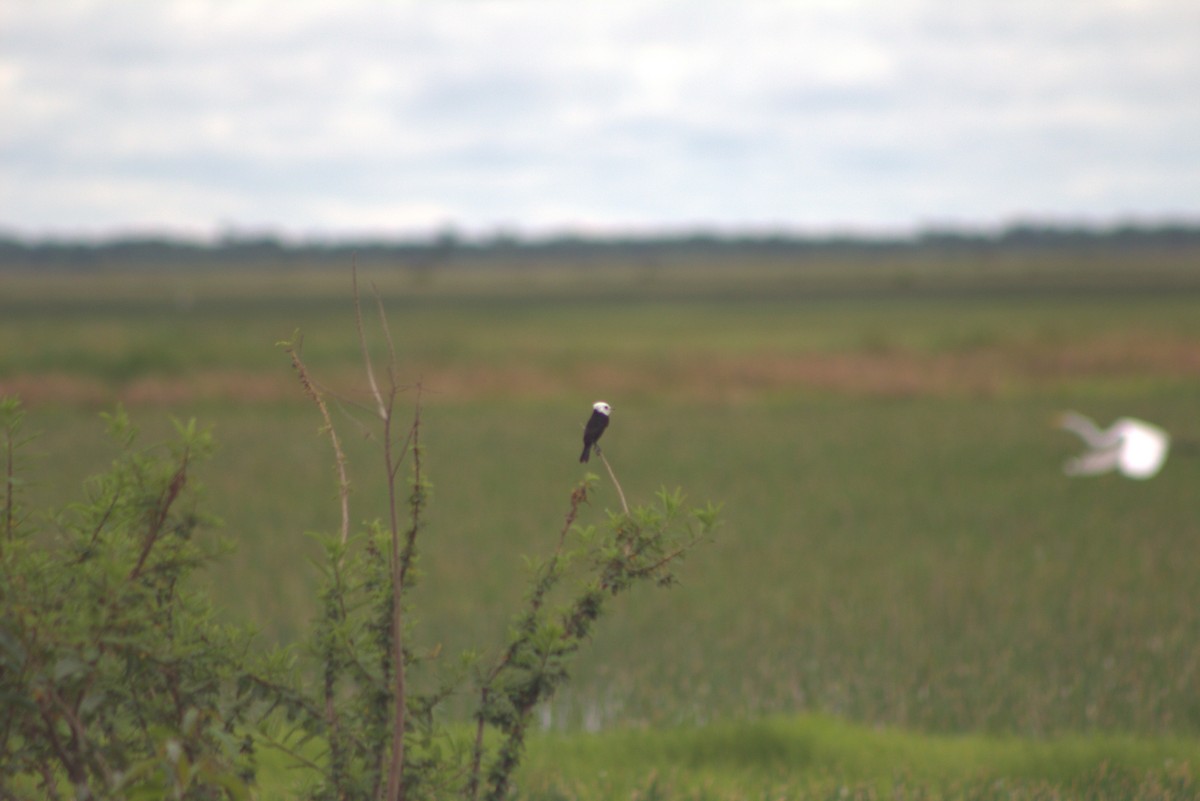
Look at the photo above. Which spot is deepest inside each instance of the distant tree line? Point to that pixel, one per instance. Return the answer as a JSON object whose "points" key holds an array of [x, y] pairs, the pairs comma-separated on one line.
{"points": [[449, 247]]}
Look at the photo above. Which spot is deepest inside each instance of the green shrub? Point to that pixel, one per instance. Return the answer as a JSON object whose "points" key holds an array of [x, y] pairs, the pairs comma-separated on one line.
{"points": [[377, 733], [118, 682], [114, 678]]}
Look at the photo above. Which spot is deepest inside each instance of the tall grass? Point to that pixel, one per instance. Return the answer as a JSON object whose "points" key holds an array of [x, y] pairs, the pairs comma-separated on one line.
{"points": [[902, 546], [917, 562]]}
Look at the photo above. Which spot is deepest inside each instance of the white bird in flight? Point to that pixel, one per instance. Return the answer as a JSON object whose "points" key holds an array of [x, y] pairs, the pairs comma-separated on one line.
{"points": [[1133, 447]]}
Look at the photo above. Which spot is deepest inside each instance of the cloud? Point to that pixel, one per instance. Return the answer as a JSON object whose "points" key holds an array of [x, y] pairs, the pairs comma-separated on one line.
{"points": [[317, 116]]}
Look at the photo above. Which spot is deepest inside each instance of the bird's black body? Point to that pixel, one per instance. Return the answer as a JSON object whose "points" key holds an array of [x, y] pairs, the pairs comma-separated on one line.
{"points": [[594, 428]]}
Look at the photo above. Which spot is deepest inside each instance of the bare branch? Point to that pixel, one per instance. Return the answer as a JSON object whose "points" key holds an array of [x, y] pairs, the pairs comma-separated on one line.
{"points": [[381, 409], [613, 476], [310, 388], [169, 495], [418, 490], [387, 333]]}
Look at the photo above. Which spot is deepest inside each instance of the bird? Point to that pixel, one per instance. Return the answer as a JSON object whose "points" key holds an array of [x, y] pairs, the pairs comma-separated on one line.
{"points": [[1133, 447], [595, 427]]}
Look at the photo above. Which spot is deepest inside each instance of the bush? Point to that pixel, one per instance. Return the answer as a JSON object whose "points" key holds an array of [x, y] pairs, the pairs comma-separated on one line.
{"points": [[115, 679], [380, 738], [118, 683]]}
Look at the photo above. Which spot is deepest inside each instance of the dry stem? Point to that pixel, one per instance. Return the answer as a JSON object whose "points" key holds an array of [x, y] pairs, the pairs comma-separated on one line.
{"points": [[613, 476], [310, 388]]}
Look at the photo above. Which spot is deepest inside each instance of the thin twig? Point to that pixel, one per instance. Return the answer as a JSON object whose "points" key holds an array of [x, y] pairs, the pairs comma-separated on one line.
{"points": [[387, 335], [331, 717], [165, 501], [310, 388], [263, 741], [395, 774], [380, 408], [399, 559], [112, 505], [410, 542], [613, 476]]}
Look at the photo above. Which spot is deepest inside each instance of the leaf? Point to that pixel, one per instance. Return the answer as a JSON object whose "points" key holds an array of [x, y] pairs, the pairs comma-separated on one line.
{"points": [[708, 516], [153, 789], [68, 667], [236, 788], [91, 702]]}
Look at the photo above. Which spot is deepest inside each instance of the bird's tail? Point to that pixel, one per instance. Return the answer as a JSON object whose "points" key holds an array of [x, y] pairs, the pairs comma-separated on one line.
{"points": [[587, 451]]}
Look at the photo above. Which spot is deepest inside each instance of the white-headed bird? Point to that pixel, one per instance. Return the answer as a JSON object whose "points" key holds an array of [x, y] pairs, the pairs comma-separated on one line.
{"points": [[595, 427]]}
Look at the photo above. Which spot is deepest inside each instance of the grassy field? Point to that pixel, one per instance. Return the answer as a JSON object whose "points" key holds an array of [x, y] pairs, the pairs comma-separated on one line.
{"points": [[900, 546], [822, 758]]}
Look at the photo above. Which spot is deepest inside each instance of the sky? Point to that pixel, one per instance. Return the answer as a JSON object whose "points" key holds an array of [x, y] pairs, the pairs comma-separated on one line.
{"points": [[341, 119]]}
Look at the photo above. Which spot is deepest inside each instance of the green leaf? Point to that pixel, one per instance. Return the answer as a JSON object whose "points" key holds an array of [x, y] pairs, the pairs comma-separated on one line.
{"points": [[68, 667], [236, 788], [707, 516], [91, 702]]}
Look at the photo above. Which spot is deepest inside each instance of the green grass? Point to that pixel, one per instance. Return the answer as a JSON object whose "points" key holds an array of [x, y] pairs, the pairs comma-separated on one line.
{"points": [[818, 757], [114, 328], [900, 547], [915, 562]]}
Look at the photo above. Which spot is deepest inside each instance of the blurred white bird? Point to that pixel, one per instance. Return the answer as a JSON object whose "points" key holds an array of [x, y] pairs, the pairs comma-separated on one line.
{"points": [[1133, 447]]}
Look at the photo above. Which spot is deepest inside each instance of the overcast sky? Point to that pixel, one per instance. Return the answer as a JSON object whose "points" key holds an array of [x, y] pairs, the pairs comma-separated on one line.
{"points": [[316, 118]]}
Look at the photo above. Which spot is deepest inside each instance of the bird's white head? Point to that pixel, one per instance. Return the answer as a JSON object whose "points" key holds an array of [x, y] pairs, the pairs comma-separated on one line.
{"points": [[602, 407]]}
